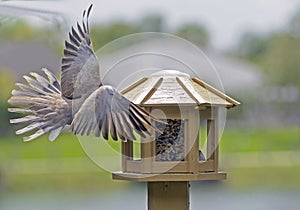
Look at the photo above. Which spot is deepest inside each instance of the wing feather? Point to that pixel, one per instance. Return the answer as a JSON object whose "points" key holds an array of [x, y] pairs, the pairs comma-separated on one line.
{"points": [[79, 66], [52, 79], [73, 40], [80, 30], [70, 53], [70, 46], [109, 113], [127, 128], [119, 128], [112, 128], [104, 129], [74, 32]]}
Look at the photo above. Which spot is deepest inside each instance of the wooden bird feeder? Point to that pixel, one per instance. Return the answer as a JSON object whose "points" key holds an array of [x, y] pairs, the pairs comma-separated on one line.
{"points": [[169, 160]]}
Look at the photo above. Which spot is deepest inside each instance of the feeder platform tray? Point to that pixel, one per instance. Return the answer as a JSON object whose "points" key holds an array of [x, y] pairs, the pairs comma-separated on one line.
{"points": [[138, 177]]}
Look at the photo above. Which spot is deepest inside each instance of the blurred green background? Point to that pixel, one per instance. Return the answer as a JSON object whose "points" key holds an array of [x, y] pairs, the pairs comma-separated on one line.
{"points": [[260, 146]]}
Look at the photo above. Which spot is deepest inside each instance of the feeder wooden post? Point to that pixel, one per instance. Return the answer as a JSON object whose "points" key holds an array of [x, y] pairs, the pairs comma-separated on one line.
{"points": [[168, 195]]}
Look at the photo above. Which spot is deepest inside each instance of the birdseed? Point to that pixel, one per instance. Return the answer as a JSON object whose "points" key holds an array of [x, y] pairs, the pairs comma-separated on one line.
{"points": [[170, 144]]}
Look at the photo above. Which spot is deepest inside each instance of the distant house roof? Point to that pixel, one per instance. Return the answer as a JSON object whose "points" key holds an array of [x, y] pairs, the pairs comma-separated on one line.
{"points": [[170, 87], [24, 57]]}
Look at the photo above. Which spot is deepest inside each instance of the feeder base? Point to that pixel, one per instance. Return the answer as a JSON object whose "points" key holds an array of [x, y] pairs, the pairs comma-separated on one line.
{"points": [[138, 177]]}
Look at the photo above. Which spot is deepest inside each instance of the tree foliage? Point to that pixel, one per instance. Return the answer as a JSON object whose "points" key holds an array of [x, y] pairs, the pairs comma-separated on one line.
{"points": [[17, 30], [152, 23], [252, 45], [6, 84], [194, 32], [277, 53], [281, 60], [103, 34]]}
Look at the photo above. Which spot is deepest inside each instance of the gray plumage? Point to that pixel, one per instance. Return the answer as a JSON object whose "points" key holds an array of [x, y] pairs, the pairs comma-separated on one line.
{"points": [[41, 99], [80, 101]]}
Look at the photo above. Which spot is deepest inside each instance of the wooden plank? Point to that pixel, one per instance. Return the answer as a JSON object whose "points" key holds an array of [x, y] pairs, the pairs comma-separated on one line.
{"points": [[134, 166], [192, 138], [213, 138], [210, 140], [206, 166], [154, 83], [168, 195], [205, 114], [134, 85], [169, 166], [188, 87], [127, 153], [147, 154], [215, 91], [171, 112], [138, 177], [216, 138], [182, 104]]}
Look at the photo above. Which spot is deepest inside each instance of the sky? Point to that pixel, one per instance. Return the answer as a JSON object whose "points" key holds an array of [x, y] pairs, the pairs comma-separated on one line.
{"points": [[225, 20]]}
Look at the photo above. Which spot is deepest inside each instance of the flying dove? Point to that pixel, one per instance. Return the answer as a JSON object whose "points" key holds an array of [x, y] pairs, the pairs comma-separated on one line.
{"points": [[80, 100]]}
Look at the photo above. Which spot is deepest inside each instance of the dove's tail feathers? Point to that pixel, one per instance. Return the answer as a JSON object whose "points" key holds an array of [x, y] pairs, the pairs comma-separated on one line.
{"points": [[42, 103]]}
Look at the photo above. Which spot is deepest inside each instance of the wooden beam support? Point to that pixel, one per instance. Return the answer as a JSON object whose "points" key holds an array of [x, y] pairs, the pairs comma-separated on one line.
{"points": [[213, 138], [127, 153], [168, 195]]}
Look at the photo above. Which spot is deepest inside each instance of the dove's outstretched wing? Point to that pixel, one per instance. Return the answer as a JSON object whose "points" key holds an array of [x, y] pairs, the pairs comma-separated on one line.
{"points": [[102, 108], [107, 111], [80, 66]]}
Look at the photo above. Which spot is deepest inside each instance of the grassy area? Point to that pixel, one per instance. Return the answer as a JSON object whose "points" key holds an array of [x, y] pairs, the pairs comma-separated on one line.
{"points": [[275, 171], [265, 177], [65, 182], [63, 165], [66, 145], [50, 166], [279, 139]]}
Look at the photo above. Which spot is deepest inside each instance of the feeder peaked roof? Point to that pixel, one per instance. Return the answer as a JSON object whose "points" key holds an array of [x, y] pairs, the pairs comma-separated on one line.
{"points": [[170, 87]]}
